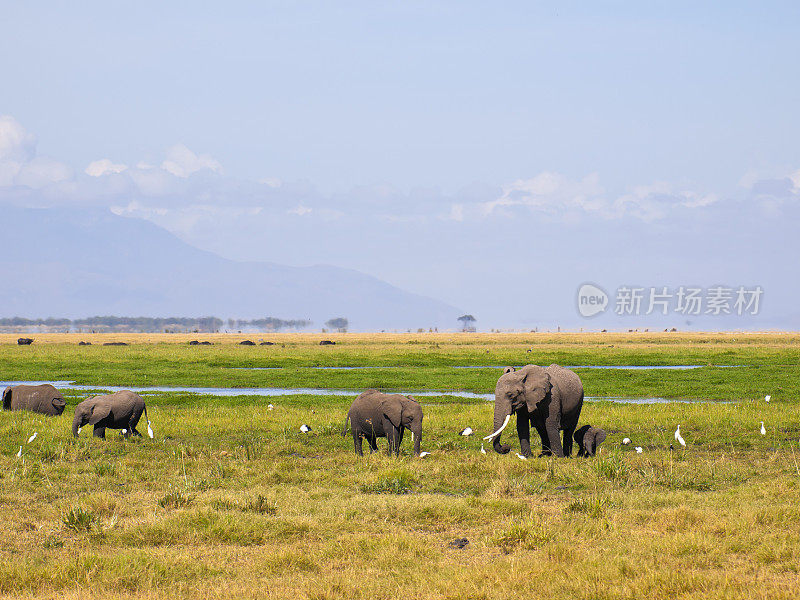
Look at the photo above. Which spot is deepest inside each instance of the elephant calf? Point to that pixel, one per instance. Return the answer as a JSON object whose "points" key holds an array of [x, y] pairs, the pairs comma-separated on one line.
{"points": [[375, 414], [121, 410], [44, 399], [589, 439]]}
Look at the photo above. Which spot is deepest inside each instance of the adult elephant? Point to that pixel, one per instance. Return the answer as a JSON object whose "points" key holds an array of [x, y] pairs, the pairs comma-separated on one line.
{"points": [[548, 398], [120, 410], [44, 399], [374, 414]]}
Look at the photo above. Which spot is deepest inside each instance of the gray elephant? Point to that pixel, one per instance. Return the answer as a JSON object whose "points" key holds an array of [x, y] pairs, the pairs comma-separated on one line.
{"points": [[375, 414], [548, 398], [120, 410], [44, 399], [588, 439]]}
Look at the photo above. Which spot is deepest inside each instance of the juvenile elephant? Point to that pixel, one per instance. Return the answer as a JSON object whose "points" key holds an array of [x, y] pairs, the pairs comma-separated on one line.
{"points": [[120, 410], [375, 414], [44, 399], [588, 439], [548, 398]]}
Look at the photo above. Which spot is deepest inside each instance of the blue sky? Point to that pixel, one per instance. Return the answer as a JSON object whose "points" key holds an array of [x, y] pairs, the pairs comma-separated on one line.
{"points": [[442, 136]]}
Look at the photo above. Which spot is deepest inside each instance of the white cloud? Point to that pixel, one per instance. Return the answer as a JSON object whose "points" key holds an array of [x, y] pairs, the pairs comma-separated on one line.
{"points": [[182, 162], [16, 144], [42, 171], [104, 166], [551, 193], [299, 210]]}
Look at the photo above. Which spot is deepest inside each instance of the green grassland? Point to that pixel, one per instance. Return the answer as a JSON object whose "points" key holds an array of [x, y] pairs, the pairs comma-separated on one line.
{"points": [[230, 500]]}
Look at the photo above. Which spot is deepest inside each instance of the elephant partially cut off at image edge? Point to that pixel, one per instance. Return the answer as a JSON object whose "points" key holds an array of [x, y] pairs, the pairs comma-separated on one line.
{"points": [[43, 399], [548, 398]]}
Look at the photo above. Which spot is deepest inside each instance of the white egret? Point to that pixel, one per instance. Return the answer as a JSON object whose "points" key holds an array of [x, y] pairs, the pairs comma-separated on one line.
{"points": [[483, 450], [638, 449], [19, 454], [466, 431], [626, 441], [149, 430], [124, 431], [519, 456], [423, 454], [33, 437], [678, 437], [767, 397], [763, 431], [270, 407], [305, 428]]}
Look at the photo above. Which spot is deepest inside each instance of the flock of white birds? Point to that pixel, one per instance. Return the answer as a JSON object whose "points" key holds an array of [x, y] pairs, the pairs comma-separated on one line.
{"points": [[466, 432]]}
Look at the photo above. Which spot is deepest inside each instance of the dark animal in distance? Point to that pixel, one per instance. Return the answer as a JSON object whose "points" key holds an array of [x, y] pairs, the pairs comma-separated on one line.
{"points": [[115, 344], [267, 344], [327, 343], [247, 343], [84, 343], [24, 341]]}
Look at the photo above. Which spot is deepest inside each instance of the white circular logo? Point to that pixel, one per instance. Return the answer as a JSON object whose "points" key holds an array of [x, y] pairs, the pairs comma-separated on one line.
{"points": [[592, 300]]}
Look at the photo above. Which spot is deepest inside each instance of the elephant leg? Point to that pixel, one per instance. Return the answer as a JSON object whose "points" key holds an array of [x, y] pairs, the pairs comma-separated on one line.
{"points": [[538, 422], [373, 444], [553, 431], [357, 442], [568, 433], [400, 438], [134, 431], [99, 432], [524, 431]]}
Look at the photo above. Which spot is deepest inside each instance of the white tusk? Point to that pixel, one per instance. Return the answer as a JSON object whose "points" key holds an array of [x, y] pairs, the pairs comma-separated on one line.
{"points": [[499, 431], [412, 436]]}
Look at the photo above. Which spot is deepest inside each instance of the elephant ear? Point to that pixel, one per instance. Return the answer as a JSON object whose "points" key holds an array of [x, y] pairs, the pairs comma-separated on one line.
{"points": [[393, 411], [508, 370], [599, 436], [99, 412], [536, 387]]}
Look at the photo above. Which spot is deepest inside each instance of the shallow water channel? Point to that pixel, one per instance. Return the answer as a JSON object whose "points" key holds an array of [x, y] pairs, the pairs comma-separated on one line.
{"points": [[272, 391]]}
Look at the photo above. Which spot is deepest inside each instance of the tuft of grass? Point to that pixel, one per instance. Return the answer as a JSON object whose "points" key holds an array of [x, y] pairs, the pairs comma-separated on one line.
{"points": [[396, 481], [523, 534], [175, 499], [105, 469], [79, 519]]}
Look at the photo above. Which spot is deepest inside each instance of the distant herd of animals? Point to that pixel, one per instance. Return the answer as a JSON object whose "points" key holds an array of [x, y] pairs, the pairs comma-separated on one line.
{"points": [[549, 399], [29, 341]]}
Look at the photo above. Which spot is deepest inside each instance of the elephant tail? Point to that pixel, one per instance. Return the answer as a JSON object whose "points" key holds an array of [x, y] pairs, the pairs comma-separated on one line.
{"points": [[346, 419]]}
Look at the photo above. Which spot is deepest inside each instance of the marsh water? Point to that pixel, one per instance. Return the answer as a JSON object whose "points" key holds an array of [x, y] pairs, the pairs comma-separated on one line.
{"points": [[274, 392]]}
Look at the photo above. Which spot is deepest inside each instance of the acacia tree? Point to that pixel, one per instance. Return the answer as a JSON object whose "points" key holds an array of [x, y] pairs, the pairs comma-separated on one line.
{"points": [[466, 321], [339, 323]]}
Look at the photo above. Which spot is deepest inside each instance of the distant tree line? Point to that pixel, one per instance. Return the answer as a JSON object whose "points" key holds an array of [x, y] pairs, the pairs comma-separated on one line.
{"points": [[151, 324]]}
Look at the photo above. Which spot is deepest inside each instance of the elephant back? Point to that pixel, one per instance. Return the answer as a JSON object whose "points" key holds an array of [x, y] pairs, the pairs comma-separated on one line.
{"points": [[567, 383], [43, 399]]}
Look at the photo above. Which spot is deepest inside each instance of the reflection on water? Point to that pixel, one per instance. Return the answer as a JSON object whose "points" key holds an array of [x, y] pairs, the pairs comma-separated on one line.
{"points": [[270, 391]]}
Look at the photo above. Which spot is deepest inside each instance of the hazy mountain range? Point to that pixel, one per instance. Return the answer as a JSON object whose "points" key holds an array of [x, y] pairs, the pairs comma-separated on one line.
{"points": [[77, 263]]}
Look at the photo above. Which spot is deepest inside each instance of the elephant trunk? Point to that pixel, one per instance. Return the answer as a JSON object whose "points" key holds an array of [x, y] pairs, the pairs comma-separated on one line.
{"points": [[77, 423], [417, 435], [502, 414]]}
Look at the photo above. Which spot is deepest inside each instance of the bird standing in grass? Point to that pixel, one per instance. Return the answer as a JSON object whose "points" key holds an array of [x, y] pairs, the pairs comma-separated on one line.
{"points": [[33, 437], [423, 454], [626, 441], [19, 454], [483, 450], [467, 431], [519, 456], [149, 430], [679, 438], [763, 430], [767, 398], [638, 449], [305, 428]]}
